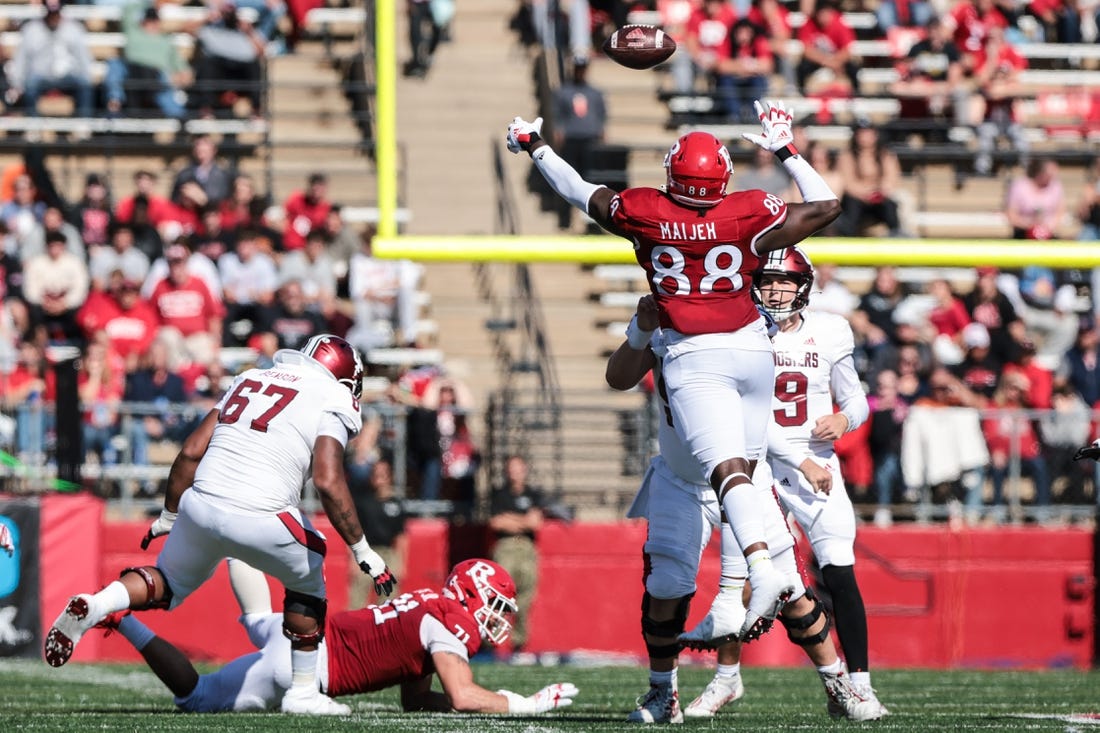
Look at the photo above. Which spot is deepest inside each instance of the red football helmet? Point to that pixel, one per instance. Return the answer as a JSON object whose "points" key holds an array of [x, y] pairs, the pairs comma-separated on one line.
{"points": [[340, 358], [791, 263], [698, 167], [488, 593]]}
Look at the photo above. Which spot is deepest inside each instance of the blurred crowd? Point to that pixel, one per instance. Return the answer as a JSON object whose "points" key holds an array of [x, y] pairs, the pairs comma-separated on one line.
{"points": [[149, 76], [168, 288]]}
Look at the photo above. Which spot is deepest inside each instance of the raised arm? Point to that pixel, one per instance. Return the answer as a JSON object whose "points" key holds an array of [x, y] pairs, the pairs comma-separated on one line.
{"points": [[821, 206], [592, 199]]}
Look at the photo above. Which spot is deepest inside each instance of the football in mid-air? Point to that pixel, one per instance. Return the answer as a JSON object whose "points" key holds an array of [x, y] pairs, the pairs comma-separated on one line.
{"points": [[639, 46]]}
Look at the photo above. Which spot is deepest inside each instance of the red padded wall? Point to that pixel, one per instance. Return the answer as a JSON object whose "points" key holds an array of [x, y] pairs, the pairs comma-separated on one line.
{"points": [[989, 597]]}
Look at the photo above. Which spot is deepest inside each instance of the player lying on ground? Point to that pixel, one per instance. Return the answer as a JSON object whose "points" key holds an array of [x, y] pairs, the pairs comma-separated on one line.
{"points": [[699, 248], [402, 642], [234, 491], [681, 510], [814, 354]]}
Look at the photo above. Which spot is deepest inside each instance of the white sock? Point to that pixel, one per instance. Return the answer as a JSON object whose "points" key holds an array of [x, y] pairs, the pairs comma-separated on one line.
{"points": [[663, 678], [303, 666], [734, 569], [728, 670], [135, 632], [742, 507], [113, 598], [860, 679], [834, 668]]}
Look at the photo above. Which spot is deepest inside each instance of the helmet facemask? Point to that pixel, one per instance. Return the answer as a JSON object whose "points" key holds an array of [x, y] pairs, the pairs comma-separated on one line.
{"points": [[790, 297]]}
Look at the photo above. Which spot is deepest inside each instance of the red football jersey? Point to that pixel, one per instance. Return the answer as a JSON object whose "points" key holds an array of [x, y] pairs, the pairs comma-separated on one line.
{"points": [[380, 646], [699, 260]]}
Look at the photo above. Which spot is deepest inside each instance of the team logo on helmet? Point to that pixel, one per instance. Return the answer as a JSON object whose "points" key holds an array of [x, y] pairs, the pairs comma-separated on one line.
{"points": [[340, 358], [488, 593], [698, 168], [793, 264]]}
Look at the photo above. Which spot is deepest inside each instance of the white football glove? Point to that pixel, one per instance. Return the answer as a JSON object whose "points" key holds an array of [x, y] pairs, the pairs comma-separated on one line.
{"points": [[371, 563], [522, 134], [551, 697], [776, 123], [7, 544], [162, 525]]}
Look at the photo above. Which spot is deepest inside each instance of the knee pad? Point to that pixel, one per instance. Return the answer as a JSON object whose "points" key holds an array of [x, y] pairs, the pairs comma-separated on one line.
{"points": [[670, 628], [151, 589], [802, 623], [310, 607]]}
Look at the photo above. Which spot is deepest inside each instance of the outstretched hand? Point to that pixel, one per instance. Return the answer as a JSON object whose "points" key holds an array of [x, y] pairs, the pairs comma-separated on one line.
{"points": [[775, 121], [523, 134]]}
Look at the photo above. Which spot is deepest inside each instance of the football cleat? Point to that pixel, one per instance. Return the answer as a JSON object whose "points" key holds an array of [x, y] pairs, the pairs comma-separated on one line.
{"points": [[302, 700], [66, 631], [660, 705], [722, 623], [770, 592], [721, 691], [868, 693], [847, 702]]}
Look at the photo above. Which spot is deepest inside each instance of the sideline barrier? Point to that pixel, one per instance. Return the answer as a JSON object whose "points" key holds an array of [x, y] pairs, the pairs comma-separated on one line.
{"points": [[935, 597]]}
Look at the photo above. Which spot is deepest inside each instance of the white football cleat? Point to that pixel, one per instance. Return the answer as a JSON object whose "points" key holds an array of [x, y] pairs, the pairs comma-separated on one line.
{"points": [[660, 705], [721, 691], [303, 700], [868, 693], [771, 590], [66, 631], [846, 702], [722, 623]]}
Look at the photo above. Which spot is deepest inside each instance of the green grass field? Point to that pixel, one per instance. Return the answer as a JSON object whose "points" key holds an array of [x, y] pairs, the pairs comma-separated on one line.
{"points": [[128, 698]]}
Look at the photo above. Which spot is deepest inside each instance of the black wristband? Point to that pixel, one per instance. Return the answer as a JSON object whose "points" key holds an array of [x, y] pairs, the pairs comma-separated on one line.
{"points": [[532, 138], [788, 152]]}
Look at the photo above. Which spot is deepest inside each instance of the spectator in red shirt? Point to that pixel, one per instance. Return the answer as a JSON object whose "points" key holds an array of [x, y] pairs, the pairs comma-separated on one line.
{"points": [[244, 209], [129, 321], [159, 208], [948, 315], [306, 211], [997, 75], [773, 18], [101, 386], [827, 44], [971, 21], [190, 316], [708, 39], [743, 77], [25, 390], [1007, 433]]}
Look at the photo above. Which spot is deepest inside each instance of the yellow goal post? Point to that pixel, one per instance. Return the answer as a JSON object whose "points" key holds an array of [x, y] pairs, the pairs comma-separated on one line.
{"points": [[1006, 253]]}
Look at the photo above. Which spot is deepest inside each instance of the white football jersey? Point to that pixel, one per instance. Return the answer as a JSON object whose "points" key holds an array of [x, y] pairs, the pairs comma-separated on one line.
{"points": [[262, 448], [804, 360]]}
